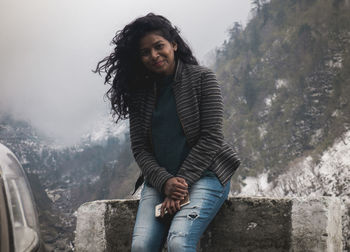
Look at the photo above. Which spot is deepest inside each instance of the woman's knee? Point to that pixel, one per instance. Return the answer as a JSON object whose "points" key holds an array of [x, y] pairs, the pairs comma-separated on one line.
{"points": [[174, 243], [137, 245], [143, 244], [178, 241]]}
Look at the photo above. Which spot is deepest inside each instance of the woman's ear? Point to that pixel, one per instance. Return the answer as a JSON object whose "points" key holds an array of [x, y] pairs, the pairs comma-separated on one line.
{"points": [[174, 46]]}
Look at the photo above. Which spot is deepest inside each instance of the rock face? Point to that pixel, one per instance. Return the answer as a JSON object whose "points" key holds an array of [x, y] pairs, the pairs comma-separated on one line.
{"points": [[242, 224], [62, 178], [105, 225]]}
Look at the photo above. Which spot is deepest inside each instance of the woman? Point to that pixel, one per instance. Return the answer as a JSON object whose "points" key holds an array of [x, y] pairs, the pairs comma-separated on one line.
{"points": [[176, 114]]}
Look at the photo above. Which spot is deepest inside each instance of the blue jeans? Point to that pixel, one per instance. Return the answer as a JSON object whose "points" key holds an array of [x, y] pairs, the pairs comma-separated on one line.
{"points": [[187, 225]]}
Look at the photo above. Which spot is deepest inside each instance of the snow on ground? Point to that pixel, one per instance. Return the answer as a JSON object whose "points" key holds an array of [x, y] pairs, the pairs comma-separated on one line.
{"points": [[104, 129], [256, 186], [280, 83], [306, 177]]}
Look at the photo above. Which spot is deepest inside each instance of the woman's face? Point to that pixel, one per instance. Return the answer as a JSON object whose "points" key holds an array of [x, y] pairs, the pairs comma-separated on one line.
{"points": [[157, 54]]}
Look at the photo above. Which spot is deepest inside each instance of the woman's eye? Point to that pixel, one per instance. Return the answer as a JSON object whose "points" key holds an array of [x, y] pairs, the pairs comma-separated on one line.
{"points": [[144, 53], [159, 46]]}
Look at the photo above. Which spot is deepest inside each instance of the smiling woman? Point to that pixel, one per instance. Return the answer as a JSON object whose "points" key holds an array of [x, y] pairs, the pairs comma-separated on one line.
{"points": [[157, 54], [176, 119]]}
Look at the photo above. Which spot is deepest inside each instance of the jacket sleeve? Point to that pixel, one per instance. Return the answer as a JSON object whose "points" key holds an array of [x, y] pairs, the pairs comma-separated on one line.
{"points": [[211, 130], [142, 151]]}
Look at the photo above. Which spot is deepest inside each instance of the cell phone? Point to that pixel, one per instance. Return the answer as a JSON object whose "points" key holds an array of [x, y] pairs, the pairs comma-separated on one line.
{"points": [[183, 202]]}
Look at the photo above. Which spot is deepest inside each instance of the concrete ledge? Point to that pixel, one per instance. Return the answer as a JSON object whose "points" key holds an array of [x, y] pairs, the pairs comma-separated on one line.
{"points": [[242, 224]]}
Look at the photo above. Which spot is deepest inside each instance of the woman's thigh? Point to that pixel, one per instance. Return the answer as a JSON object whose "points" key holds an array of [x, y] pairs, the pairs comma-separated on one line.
{"points": [[206, 196], [149, 232]]}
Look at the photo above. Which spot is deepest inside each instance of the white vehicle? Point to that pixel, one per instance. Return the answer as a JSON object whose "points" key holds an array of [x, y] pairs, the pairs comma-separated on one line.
{"points": [[19, 226]]}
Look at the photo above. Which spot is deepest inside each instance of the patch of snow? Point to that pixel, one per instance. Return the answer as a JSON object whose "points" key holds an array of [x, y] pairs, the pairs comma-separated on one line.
{"points": [[269, 99], [242, 100], [280, 83], [24, 160], [54, 195], [104, 129], [336, 113], [276, 43], [268, 103], [255, 185], [94, 179], [335, 62], [262, 131]]}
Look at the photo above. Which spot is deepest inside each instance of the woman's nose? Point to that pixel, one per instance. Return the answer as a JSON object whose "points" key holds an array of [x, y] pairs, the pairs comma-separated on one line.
{"points": [[154, 54]]}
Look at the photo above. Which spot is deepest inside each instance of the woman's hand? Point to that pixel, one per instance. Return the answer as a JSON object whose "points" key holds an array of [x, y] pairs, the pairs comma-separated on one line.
{"points": [[172, 206], [176, 188]]}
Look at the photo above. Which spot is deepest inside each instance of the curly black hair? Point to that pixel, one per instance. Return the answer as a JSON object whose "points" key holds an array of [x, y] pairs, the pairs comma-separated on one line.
{"points": [[124, 70]]}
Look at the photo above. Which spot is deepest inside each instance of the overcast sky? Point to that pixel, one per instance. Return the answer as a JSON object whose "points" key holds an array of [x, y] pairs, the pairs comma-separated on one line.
{"points": [[48, 48]]}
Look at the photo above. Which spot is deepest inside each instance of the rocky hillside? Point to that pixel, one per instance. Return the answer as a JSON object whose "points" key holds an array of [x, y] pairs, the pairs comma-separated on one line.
{"points": [[285, 81], [64, 178]]}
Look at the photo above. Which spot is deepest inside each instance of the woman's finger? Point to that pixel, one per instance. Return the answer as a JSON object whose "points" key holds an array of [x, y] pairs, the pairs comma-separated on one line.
{"points": [[169, 207], [173, 206], [177, 205], [181, 191], [177, 188], [162, 209], [182, 181], [178, 196], [180, 186]]}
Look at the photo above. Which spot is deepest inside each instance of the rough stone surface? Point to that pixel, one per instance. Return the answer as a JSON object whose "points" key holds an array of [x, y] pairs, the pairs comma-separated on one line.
{"points": [[90, 229], [119, 222], [250, 224], [242, 224], [315, 224]]}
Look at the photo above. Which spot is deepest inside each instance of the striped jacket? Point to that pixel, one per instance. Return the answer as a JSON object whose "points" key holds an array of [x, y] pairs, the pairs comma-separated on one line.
{"points": [[200, 110]]}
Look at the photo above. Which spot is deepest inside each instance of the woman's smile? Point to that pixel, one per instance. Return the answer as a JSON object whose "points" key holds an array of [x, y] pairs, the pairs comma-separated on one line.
{"points": [[159, 63]]}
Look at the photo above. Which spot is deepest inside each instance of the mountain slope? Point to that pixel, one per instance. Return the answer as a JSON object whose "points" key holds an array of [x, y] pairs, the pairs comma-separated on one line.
{"points": [[285, 82], [286, 89], [64, 178]]}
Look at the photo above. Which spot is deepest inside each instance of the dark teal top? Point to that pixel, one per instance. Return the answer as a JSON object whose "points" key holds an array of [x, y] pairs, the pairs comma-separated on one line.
{"points": [[168, 138], [169, 141]]}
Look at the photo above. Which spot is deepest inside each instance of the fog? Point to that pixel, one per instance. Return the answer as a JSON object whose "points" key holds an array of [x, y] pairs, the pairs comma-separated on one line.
{"points": [[49, 47]]}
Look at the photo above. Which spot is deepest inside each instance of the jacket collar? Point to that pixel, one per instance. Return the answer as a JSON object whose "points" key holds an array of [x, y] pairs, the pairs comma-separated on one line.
{"points": [[178, 71]]}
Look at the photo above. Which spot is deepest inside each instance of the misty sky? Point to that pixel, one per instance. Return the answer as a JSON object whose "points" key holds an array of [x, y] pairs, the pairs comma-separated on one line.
{"points": [[49, 47]]}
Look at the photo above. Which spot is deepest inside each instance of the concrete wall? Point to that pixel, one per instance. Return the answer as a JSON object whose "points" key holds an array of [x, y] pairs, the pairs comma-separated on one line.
{"points": [[242, 224]]}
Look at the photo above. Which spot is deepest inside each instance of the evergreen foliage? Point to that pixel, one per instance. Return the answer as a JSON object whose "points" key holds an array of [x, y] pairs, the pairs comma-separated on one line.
{"points": [[285, 82]]}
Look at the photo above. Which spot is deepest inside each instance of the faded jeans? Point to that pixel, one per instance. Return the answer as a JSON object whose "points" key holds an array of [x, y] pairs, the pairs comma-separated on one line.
{"points": [[186, 227]]}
